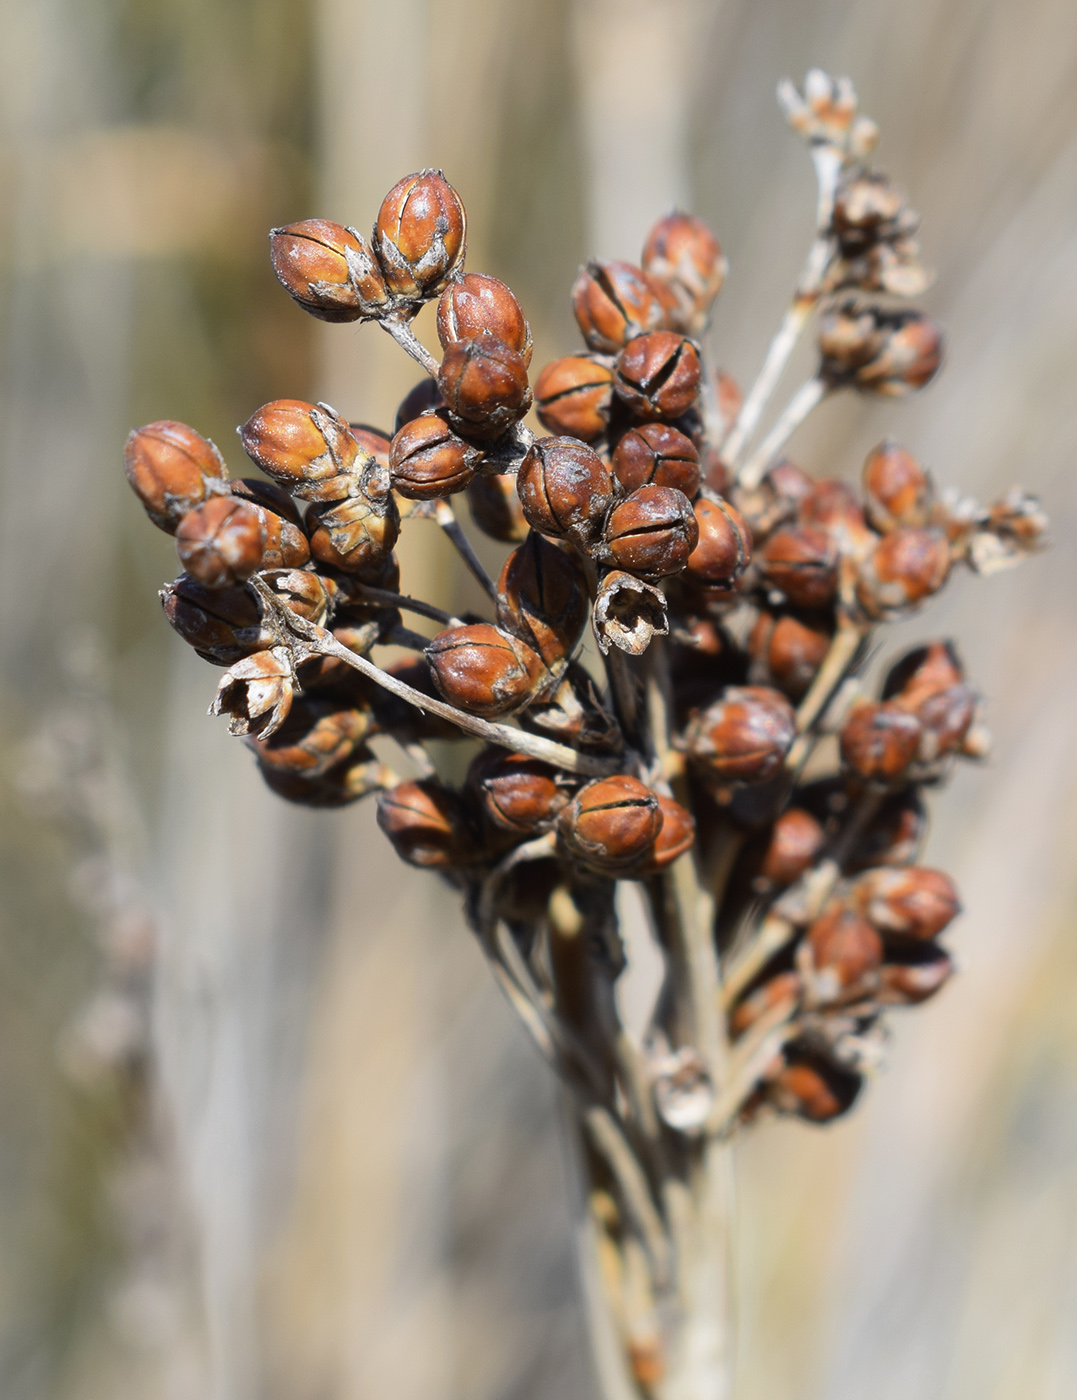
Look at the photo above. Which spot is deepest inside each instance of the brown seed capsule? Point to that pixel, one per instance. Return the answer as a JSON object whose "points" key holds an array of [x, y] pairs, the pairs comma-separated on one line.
{"points": [[628, 614], [420, 234], [896, 488], [356, 777], [306, 448], [221, 543], [372, 441], [484, 384], [677, 835], [654, 454], [895, 834], [302, 591], [613, 302], [849, 336], [611, 823], [1018, 518], [420, 398], [657, 375], [286, 543], [495, 508], [426, 824], [803, 563], [774, 501], [318, 734], [477, 304], [542, 598], [840, 956], [573, 397], [171, 469], [652, 532], [817, 1091], [257, 693], [904, 568], [358, 534], [923, 672], [428, 460], [518, 793], [928, 683], [483, 670], [832, 505], [683, 252], [915, 902], [866, 207], [223, 625], [724, 549], [269, 496], [743, 736], [880, 741], [564, 487], [908, 358], [328, 269], [909, 983], [780, 990], [787, 651], [796, 839]]}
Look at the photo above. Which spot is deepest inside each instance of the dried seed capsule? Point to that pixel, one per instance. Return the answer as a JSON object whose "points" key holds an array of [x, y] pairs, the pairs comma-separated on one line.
{"points": [[724, 549], [171, 469], [484, 384], [880, 741], [611, 823], [223, 625], [783, 989], [318, 734], [257, 693], [573, 396], [372, 441], [614, 301], [419, 399], [803, 563], [270, 497], [483, 670], [915, 902], [495, 508], [358, 534], [683, 253], [654, 454], [909, 983], [628, 614], [928, 682], [896, 488], [420, 234], [306, 448], [564, 487], [518, 793], [832, 505], [677, 835], [477, 304], [428, 460], [743, 736], [840, 956], [221, 543], [426, 824], [328, 269], [787, 651], [1017, 518], [895, 834], [775, 500], [796, 839], [543, 598], [849, 337], [652, 532], [866, 207], [349, 781], [923, 672], [904, 568], [818, 1091], [657, 375], [286, 543], [303, 592], [908, 358]]}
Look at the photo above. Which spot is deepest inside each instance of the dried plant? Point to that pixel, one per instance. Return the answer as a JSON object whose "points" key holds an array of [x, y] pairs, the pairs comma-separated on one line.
{"points": [[716, 750]]}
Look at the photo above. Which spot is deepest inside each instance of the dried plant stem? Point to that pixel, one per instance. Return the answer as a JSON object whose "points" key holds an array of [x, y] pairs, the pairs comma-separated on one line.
{"points": [[777, 357], [808, 397], [772, 936], [399, 328], [383, 596], [443, 514]]}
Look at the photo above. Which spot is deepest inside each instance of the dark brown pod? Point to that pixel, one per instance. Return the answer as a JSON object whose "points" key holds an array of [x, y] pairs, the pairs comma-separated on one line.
{"points": [[652, 532], [476, 304], [908, 358], [910, 983], [355, 778], [742, 737], [897, 490], [358, 534], [328, 269], [484, 385], [904, 568], [221, 543], [684, 254], [655, 454], [880, 741], [425, 823], [286, 544], [781, 990], [724, 548], [923, 672], [833, 506], [573, 397], [317, 735], [866, 207], [303, 592], [613, 302], [914, 902], [796, 839], [564, 487], [803, 564], [420, 233], [813, 1089], [542, 597], [223, 625], [841, 955], [420, 398], [372, 441], [483, 670], [677, 835], [306, 448], [268, 495], [929, 683], [895, 834], [611, 823], [171, 469], [849, 336], [774, 501], [518, 793], [657, 375], [428, 460], [787, 651], [495, 508]]}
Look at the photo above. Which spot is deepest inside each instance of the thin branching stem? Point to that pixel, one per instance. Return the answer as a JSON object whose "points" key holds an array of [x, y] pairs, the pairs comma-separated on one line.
{"points": [[446, 518]]}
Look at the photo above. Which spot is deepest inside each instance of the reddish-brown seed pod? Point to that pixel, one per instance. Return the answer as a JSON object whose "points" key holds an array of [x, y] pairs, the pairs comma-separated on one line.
{"points": [[477, 304], [684, 254], [677, 835], [849, 336], [372, 441], [914, 902], [895, 834], [257, 693], [270, 497], [328, 269], [910, 983], [865, 205], [483, 670], [611, 823], [573, 397], [302, 591], [496, 509], [904, 568], [420, 398], [813, 1090], [484, 385], [564, 487], [880, 741], [517, 793], [171, 469], [428, 460], [841, 952], [306, 448], [922, 672], [223, 625], [657, 375], [358, 534], [774, 501], [929, 683], [743, 736], [613, 302], [355, 778], [420, 234], [908, 358], [542, 597], [803, 564], [724, 549], [221, 543], [832, 505], [654, 454], [652, 532], [796, 839], [787, 651], [426, 824], [897, 490], [782, 989], [318, 734]]}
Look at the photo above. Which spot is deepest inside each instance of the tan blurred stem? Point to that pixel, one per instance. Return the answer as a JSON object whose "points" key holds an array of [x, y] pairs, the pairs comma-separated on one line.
{"points": [[808, 397]]}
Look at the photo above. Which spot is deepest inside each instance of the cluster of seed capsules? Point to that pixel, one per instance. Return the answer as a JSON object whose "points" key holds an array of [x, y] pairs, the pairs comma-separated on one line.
{"points": [[729, 598]]}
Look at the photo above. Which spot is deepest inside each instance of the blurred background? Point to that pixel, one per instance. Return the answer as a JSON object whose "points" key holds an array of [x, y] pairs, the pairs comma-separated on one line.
{"points": [[266, 1128]]}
